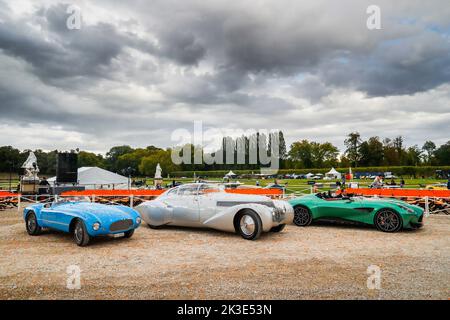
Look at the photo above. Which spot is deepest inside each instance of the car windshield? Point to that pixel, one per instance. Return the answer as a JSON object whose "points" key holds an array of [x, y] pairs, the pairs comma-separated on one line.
{"points": [[209, 188], [73, 199], [187, 190]]}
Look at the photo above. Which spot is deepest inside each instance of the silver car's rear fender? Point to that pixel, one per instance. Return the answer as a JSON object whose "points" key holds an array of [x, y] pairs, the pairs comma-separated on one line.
{"points": [[224, 219]]}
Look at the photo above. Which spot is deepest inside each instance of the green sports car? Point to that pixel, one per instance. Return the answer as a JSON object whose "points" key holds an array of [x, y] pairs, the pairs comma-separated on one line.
{"points": [[388, 215]]}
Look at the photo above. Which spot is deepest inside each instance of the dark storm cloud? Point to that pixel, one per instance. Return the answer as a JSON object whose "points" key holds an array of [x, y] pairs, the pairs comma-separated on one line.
{"points": [[238, 41], [284, 38], [63, 53], [404, 66], [183, 47]]}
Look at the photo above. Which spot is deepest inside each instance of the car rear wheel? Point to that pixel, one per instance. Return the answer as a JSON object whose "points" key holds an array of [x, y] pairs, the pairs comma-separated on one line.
{"points": [[129, 234], [278, 228], [302, 216], [80, 234], [31, 225], [388, 220], [248, 224]]}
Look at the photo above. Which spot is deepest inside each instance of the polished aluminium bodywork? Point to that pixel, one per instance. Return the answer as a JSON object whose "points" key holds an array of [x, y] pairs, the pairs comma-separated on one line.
{"points": [[359, 209], [61, 216], [194, 205]]}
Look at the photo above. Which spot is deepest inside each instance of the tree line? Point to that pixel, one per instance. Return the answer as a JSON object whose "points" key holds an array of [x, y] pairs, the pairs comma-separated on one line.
{"points": [[302, 154]]}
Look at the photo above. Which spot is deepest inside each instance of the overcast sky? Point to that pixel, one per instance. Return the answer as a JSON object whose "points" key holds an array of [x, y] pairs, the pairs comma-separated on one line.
{"points": [[137, 70]]}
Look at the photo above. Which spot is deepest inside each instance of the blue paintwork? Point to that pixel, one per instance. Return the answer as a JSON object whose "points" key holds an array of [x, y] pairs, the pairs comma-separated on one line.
{"points": [[59, 216]]}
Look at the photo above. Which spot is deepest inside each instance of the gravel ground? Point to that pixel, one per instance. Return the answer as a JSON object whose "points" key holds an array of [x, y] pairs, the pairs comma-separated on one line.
{"points": [[326, 261]]}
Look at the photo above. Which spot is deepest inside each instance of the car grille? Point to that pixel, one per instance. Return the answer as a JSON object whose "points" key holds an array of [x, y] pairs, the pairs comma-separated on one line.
{"points": [[278, 215], [121, 225]]}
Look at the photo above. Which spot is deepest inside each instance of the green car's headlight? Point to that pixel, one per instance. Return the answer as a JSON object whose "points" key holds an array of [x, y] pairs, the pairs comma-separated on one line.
{"points": [[96, 226]]}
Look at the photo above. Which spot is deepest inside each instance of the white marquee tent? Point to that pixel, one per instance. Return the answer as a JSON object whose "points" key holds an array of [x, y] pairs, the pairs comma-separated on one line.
{"points": [[333, 174], [98, 178], [230, 174], [309, 175]]}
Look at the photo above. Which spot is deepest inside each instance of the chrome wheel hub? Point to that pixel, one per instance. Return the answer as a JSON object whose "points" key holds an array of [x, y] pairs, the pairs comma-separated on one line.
{"points": [[247, 225], [31, 224], [78, 233]]}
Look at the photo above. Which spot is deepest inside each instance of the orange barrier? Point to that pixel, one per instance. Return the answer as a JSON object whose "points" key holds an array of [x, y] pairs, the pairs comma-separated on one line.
{"points": [[400, 192], [5, 194]]}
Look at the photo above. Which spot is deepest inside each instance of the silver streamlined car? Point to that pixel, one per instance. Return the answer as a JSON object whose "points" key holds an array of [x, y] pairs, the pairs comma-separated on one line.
{"points": [[209, 206]]}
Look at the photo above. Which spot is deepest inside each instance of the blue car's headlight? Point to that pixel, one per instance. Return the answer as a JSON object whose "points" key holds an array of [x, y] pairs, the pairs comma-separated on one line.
{"points": [[96, 226], [138, 220]]}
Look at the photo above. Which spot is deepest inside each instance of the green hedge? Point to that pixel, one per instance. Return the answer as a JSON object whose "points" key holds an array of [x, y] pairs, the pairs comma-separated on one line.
{"points": [[406, 171]]}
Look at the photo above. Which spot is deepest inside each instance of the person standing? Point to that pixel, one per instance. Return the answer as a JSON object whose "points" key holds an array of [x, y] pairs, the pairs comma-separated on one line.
{"points": [[377, 182], [44, 186]]}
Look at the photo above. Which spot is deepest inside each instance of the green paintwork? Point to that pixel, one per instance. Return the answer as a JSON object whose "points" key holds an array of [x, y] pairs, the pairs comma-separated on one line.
{"points": [[358, 209]]}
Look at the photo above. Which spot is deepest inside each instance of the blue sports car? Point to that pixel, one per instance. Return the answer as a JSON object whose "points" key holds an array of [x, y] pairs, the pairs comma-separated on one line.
{"points": [[81, 218]]}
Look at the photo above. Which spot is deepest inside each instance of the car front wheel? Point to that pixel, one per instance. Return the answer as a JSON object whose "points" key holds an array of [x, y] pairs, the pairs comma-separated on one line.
{"points": [[129, 233], [249, 225], [80, 234], [278, 228], [388, 220], [31, 225], [302, 216]]}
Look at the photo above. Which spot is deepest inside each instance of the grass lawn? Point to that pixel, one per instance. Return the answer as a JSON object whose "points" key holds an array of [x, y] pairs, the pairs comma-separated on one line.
{"points": [[4, 180]]}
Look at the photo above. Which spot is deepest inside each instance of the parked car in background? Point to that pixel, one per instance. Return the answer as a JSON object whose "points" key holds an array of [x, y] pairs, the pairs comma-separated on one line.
{"points": [[436, 186], [387, 215], [389, 175], [275, 186], [83, 219], [207, 205]]}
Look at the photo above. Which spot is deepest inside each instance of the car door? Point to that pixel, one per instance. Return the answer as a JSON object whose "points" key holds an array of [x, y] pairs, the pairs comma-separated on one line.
{"points": [[54, 218], [340, 208], [207, 201], [362, 210], [185, 206]]}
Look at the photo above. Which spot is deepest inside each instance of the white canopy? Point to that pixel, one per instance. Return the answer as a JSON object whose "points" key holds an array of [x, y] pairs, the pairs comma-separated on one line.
{"points": [[98, 178], [333, 173], [230, 174]]}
